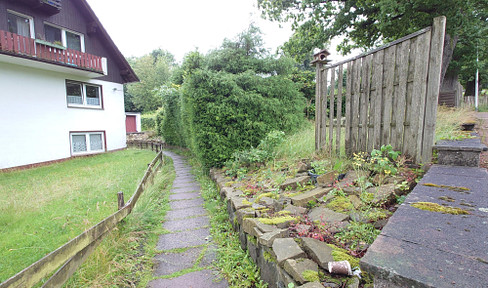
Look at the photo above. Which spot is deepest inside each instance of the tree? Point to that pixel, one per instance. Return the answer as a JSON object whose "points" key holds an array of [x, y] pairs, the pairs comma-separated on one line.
{"points": [[369, 23], [154, 70]]}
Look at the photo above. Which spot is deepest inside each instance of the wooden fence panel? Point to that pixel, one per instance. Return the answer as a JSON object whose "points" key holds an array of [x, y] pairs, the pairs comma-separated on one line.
{"points": [[390, 97]]}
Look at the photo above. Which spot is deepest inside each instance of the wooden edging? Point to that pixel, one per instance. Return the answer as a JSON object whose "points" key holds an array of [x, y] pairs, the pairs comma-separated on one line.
{"points": [[72, 254]]}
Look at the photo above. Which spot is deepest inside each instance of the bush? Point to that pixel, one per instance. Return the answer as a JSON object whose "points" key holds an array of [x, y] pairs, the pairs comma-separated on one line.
{"points": [[225, 112], [169, 123], [148, 122]]}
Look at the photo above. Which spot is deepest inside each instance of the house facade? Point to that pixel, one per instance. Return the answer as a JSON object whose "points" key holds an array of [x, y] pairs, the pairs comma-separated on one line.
{"points": [[61, 83]]}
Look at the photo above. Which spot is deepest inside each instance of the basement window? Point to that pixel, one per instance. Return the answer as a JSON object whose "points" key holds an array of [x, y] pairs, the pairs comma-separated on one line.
{"points": [[87, 142]]}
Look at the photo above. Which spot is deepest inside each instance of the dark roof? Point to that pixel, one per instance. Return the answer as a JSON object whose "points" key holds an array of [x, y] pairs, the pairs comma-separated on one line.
{"points": [[125, 70]]}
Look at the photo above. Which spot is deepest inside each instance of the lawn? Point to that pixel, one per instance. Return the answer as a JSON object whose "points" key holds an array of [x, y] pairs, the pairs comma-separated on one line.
{"points": [[43, 208]]}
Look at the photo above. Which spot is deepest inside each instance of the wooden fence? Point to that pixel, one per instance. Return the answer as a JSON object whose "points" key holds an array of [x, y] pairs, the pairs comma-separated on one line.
{"points": [[72, 254], [470, 101], [390, 97]]}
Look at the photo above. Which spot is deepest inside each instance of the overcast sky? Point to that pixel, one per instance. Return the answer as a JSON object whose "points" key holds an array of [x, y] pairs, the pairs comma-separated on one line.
{"points": [[138, 27]]}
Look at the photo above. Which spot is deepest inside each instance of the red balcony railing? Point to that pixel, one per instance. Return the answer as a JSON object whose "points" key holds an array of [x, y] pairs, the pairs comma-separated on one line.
{"points": [[15, 44]]}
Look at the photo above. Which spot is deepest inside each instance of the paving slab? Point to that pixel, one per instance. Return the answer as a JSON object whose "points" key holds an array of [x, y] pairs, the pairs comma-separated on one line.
{"points": [[183, 204], [183, 239], [185, 184], [200, 279], [187, 224], [189, 188], [421, 248], [169, 263], [185, 196], [185, 213]]}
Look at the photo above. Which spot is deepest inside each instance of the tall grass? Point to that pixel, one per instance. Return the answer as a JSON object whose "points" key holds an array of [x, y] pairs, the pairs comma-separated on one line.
{"points": [[43, 208], [449, 120]]}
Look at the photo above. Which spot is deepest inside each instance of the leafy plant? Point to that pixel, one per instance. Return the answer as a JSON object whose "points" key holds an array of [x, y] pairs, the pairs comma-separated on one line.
{"points": [[358, 232]]}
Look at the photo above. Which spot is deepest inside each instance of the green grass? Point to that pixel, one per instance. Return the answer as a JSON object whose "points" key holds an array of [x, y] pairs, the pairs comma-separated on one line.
{"points": [[449, 120], [43, 208], [124, 258]]}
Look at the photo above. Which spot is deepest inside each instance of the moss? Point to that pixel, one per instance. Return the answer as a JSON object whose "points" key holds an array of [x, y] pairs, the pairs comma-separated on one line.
{"points": [[452, 188], [276, 220], [447, 198], [310, 275], [340, 204], [434, 207], [294, 194], [284, 212], [268, 194], [268, 257], [230, 183], [246, 202], [340, 254], [252, 240], [376, 214]]}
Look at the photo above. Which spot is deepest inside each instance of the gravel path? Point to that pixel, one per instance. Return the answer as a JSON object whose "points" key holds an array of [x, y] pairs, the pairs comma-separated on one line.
{"points": [[186, 251]]}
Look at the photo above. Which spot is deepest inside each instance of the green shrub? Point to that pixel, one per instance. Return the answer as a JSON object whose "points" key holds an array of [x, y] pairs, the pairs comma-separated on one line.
{"points": [[148, 122], [225, 112], [169, 123]]}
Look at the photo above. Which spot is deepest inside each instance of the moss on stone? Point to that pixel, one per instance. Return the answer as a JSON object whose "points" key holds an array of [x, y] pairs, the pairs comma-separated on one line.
{"points": [[340, 254], [453, 188], [230, 183], [246, 202], [340, 204], [268, 194], [434, 207], [268, 257], [290, 195], [252, 240], [276, 220], [376, 214], [310, 275]]}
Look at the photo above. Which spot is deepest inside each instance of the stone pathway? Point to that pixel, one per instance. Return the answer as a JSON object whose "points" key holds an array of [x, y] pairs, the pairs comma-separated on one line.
{"points": [[187, 250]]}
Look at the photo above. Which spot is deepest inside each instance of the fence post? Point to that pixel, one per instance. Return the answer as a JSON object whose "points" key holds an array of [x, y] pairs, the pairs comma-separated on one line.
{"points": [[120, 200]]}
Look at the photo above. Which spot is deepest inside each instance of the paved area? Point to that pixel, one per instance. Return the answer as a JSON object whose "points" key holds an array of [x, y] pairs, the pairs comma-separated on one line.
{"points": [[186, 250], [482, 130], [419, 248]]}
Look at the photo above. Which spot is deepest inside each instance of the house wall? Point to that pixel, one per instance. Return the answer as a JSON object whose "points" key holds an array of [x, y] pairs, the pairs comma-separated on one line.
{"points": [[72, 18], [35, 121]]}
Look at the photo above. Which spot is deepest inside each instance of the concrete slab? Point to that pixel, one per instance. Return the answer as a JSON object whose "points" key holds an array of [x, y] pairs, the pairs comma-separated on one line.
{"points": [[184, 196], [185, 213], [183, 204], [189, 188], [187, 224], [183, 239], [199, 279], [169, 263], [419, 248]]}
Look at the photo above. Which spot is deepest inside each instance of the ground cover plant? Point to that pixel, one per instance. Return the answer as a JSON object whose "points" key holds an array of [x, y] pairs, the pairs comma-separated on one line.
{"points": [[43, 208]]}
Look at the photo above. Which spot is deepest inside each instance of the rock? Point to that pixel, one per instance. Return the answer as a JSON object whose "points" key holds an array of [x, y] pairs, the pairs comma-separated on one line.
{"points": [[240, 202], [302, 228], [359, 217], [294, 210], [312, 195], [303, 167], [302, 174], [356, 202], [293, 183], [268, 238], [319, 251], [326, 179], [383, 194], [244, 213], [323, 214], [255, 228], [256, 206], [380, 223], [353, 282], [272, 203], [353, 175], [337, 227], [297, 268], [311, 285], [286, 248], [351, 190]]}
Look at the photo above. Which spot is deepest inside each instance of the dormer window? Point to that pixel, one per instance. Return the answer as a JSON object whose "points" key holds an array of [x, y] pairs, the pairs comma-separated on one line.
{"points": [[61, 36], [20, 24]]}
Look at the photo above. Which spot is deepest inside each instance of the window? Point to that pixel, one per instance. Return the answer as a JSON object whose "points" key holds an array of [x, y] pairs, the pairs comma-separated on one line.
{"points": [[20, 24], [69, 39], [83, 95], [87, 142]]}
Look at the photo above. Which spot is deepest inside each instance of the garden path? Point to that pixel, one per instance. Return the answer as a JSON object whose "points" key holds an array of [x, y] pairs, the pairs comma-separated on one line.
{"points": [[187, 251]]}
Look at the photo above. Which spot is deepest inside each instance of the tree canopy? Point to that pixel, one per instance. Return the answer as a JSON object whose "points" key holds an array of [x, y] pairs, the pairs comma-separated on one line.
{"points": [[369, 23]]}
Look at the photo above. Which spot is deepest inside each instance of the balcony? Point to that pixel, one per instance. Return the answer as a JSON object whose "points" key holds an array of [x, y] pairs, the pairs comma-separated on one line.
{"points": [[28, 48]]}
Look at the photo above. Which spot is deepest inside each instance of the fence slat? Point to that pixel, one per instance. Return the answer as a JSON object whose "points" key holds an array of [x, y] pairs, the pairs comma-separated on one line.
{"points": [[323, 105], [318, 110], [401, 94], [433, 86], [330, 139], [411, 113], [364, 102], [339, 110], [378, 98], [355, 104], [347, 136]]}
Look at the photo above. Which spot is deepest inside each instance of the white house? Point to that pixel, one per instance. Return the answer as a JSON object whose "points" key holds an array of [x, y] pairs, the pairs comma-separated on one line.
{"points": [[61, 83]]}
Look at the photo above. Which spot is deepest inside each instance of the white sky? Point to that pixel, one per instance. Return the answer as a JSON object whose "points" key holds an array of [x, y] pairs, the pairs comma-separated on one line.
{"points": [[138, 27]]}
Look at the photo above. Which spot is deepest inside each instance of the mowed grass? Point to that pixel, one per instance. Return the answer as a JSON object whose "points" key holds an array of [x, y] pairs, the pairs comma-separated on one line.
{"points": [[43, 208]]}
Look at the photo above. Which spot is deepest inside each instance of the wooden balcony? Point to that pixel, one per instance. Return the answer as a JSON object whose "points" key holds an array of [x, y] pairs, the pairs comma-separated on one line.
{"points": [[50, 7], [29, 48]]}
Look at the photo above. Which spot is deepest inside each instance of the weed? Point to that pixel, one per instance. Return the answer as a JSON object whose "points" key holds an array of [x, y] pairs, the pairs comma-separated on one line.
{"points": [[358, 232]]}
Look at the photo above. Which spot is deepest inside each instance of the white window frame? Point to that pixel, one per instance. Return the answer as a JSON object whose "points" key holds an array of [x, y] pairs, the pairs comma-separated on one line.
{"points": [[63, 35], [89, 150], [31, 21], [83, 95]]}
